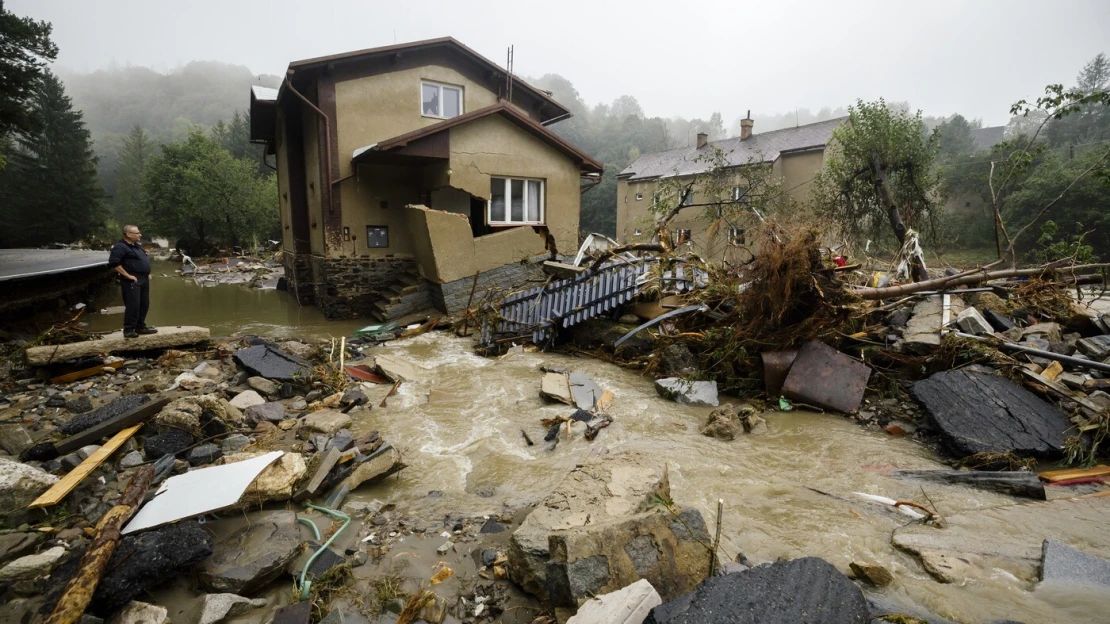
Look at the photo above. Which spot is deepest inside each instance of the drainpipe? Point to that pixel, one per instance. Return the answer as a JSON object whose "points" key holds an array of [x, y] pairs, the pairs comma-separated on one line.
{"points": [[327, 140], [556, 119]]}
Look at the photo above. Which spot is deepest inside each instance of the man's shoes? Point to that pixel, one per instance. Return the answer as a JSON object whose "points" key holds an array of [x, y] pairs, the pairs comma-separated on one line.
{"points": [[147, 330], [130, 333]]}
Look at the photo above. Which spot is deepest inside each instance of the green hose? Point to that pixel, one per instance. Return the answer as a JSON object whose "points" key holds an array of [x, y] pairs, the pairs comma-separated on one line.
{"points": [[312, 525], [306, 584]]}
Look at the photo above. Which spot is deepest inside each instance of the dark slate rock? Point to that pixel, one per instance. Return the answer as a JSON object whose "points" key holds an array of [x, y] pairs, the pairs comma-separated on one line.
{"points": [[80, 405], [1066, 564], [172, 442], [247, 559], [492, 526], [353, 396], [900, 317], [326, 561], [16, 545], [488, 557], [163, 467], [56, 401], [43, 451], [272, 412], [678, 361], [342, 440], [205, 454], [142, 561], [999, 322], [881, 605], [977, 413], [272, 363], [808, 590], [102, 414]]}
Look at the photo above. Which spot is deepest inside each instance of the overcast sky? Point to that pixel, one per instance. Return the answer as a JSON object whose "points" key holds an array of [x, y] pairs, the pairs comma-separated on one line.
{"points": [[686, 58]]}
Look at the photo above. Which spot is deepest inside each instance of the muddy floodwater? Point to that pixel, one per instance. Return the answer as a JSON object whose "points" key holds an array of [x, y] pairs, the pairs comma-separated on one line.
{"points": [[787, 494]]}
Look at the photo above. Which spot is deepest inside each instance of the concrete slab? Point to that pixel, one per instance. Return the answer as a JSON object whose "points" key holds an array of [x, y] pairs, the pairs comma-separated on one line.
{"points": [[27, 263], [115, 342], [1064, 563], [629, 605]]}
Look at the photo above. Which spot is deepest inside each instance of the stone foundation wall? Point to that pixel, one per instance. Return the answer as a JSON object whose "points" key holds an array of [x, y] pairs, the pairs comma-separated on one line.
{"points": [[452, 296], [349, 287], [298, 277]]}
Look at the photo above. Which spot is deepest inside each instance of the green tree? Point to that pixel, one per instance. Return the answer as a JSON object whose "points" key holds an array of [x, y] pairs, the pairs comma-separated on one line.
{"points": [[1089, 122], [50, 186], [882, 170], [955, 137], [197, 190], [134, 156], [25, 47]]}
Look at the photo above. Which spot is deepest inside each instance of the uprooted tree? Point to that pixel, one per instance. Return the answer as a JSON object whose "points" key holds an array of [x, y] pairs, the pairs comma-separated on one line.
{"points": [[881, 171]]}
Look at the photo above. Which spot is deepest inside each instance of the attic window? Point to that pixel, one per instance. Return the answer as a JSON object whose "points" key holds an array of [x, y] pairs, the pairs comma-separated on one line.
{"points": [[515, 201], [440, 100], [639, 196]]}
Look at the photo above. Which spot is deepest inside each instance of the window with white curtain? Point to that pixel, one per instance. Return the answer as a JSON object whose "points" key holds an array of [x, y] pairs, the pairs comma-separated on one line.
{"points": [[440, 100], [515, 201]]}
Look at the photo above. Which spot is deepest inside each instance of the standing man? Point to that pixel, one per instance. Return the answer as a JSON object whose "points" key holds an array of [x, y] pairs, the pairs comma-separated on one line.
{"points": [[130, 261]]}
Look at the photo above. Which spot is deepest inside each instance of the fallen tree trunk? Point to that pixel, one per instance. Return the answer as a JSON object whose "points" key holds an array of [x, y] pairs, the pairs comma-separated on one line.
{"points": [[79, 591], [966, 279]]}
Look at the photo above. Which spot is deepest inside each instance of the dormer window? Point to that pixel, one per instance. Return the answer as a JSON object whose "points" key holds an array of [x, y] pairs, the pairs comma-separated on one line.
{"points": [[440, 100]]}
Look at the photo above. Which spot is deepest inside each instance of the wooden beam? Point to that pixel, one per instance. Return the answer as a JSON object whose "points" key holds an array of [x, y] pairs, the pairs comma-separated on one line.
{"points": [[1068, 474], [62, 488], [88, 372], [107, 428]]}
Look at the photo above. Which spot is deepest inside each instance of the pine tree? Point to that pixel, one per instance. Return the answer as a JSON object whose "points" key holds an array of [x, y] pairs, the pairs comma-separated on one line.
{"points": [[134, 157], [51, 178], [25, 47]]}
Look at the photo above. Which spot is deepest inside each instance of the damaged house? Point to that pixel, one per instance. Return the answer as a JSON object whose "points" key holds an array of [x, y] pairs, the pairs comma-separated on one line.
{"points": [[405, 170], [794, 154]]}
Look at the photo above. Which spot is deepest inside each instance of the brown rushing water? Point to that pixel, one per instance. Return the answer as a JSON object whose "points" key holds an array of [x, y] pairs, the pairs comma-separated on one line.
{"points": [[459, 430]]}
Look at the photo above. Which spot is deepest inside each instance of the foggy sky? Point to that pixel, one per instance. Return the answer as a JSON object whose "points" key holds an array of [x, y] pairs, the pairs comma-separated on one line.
{"points": [[685, 58]]}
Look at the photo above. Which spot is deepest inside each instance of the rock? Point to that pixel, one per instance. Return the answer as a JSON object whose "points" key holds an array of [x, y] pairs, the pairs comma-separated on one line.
{"points": [[246, 399], [445, 548], [234, 443], [807, 590], [1013, 483], [723, 423], [977, 413], [21, 484], [384, 462], [697, 393], [218, 607], [629, 319], [827, 378], [326, 421], [1096, 347], [397, 369], [298, 405], [353, 396], [130, 460], [555, 386], [998, 322], [628, 605], [1060, 563], [14, 439], [15, 545], [873, 573], [70, 462], [342, 440], [492, 526], [592, 534], [677, 361], [363, 508], [298, 349], [80, 405], [922, 332], [313, 395], [275, 483], [204, 454], [271, 412], [1045, 331], [327, 560], [171, 442], [113, 342], [102, 414], [296, 613], [899, 317], [754, 424], [249, 557], [56, 401], [263, 386], [971, 322], [32, 566], [980, 543], [136, 612], [266, 361], [1071, 380], [584, 390]]}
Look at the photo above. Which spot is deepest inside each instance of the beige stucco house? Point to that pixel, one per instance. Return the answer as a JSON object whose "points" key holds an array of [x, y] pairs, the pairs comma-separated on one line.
{"points": [[404, 170], [794, 154]]}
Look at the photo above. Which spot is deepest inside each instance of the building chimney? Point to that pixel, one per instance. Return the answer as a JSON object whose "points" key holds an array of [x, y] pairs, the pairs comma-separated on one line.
{"points": [[746, 126], [703, 138]]}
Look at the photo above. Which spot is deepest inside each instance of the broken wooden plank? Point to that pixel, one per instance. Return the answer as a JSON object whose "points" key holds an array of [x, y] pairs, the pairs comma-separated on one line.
{"points": [[327, 462], [62, 488], [363, 373], [392, 391], [1024, 484], [1068, 474], [104, 429], [87, 372], [416, 331]]}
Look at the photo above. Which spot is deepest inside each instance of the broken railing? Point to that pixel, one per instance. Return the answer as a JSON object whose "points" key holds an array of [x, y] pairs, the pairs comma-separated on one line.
{"points": [[533, 314]]}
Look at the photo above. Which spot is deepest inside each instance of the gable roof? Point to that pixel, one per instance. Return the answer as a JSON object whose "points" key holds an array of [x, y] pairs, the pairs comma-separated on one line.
{"points": [[584, 161], [762, 147], [986, 138], [496, 72]]}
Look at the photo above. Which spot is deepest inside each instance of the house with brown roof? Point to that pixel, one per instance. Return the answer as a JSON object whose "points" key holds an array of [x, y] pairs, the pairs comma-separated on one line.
{"points": [[795, 155], [405, 170]]}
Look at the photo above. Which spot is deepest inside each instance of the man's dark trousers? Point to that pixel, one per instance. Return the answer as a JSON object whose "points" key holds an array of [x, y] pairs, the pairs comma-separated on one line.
{"points": [[136, 301]]}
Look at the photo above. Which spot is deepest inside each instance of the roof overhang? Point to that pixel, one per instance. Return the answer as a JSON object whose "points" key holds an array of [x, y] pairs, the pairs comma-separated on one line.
{"points": [[432, 141], [263, 116]]}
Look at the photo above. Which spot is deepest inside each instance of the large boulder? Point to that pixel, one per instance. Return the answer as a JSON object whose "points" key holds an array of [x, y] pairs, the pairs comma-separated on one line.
{"points": [[384, 462], [807, 590], [979, 413], [214, 608], [598, 531], [21, 484], [248, 557], [14, 439]]}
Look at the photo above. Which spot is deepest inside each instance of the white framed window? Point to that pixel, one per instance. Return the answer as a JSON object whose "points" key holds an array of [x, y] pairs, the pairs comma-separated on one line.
{"points": [[443, 101], [515, 201], [736, 236], [738, 193], [687, 199], [639, 196], [637, 232]]}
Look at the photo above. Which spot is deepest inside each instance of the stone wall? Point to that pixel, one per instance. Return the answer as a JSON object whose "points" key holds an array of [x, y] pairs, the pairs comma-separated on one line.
{"points": [[298, 277], [452, 296], [350, 287]]}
